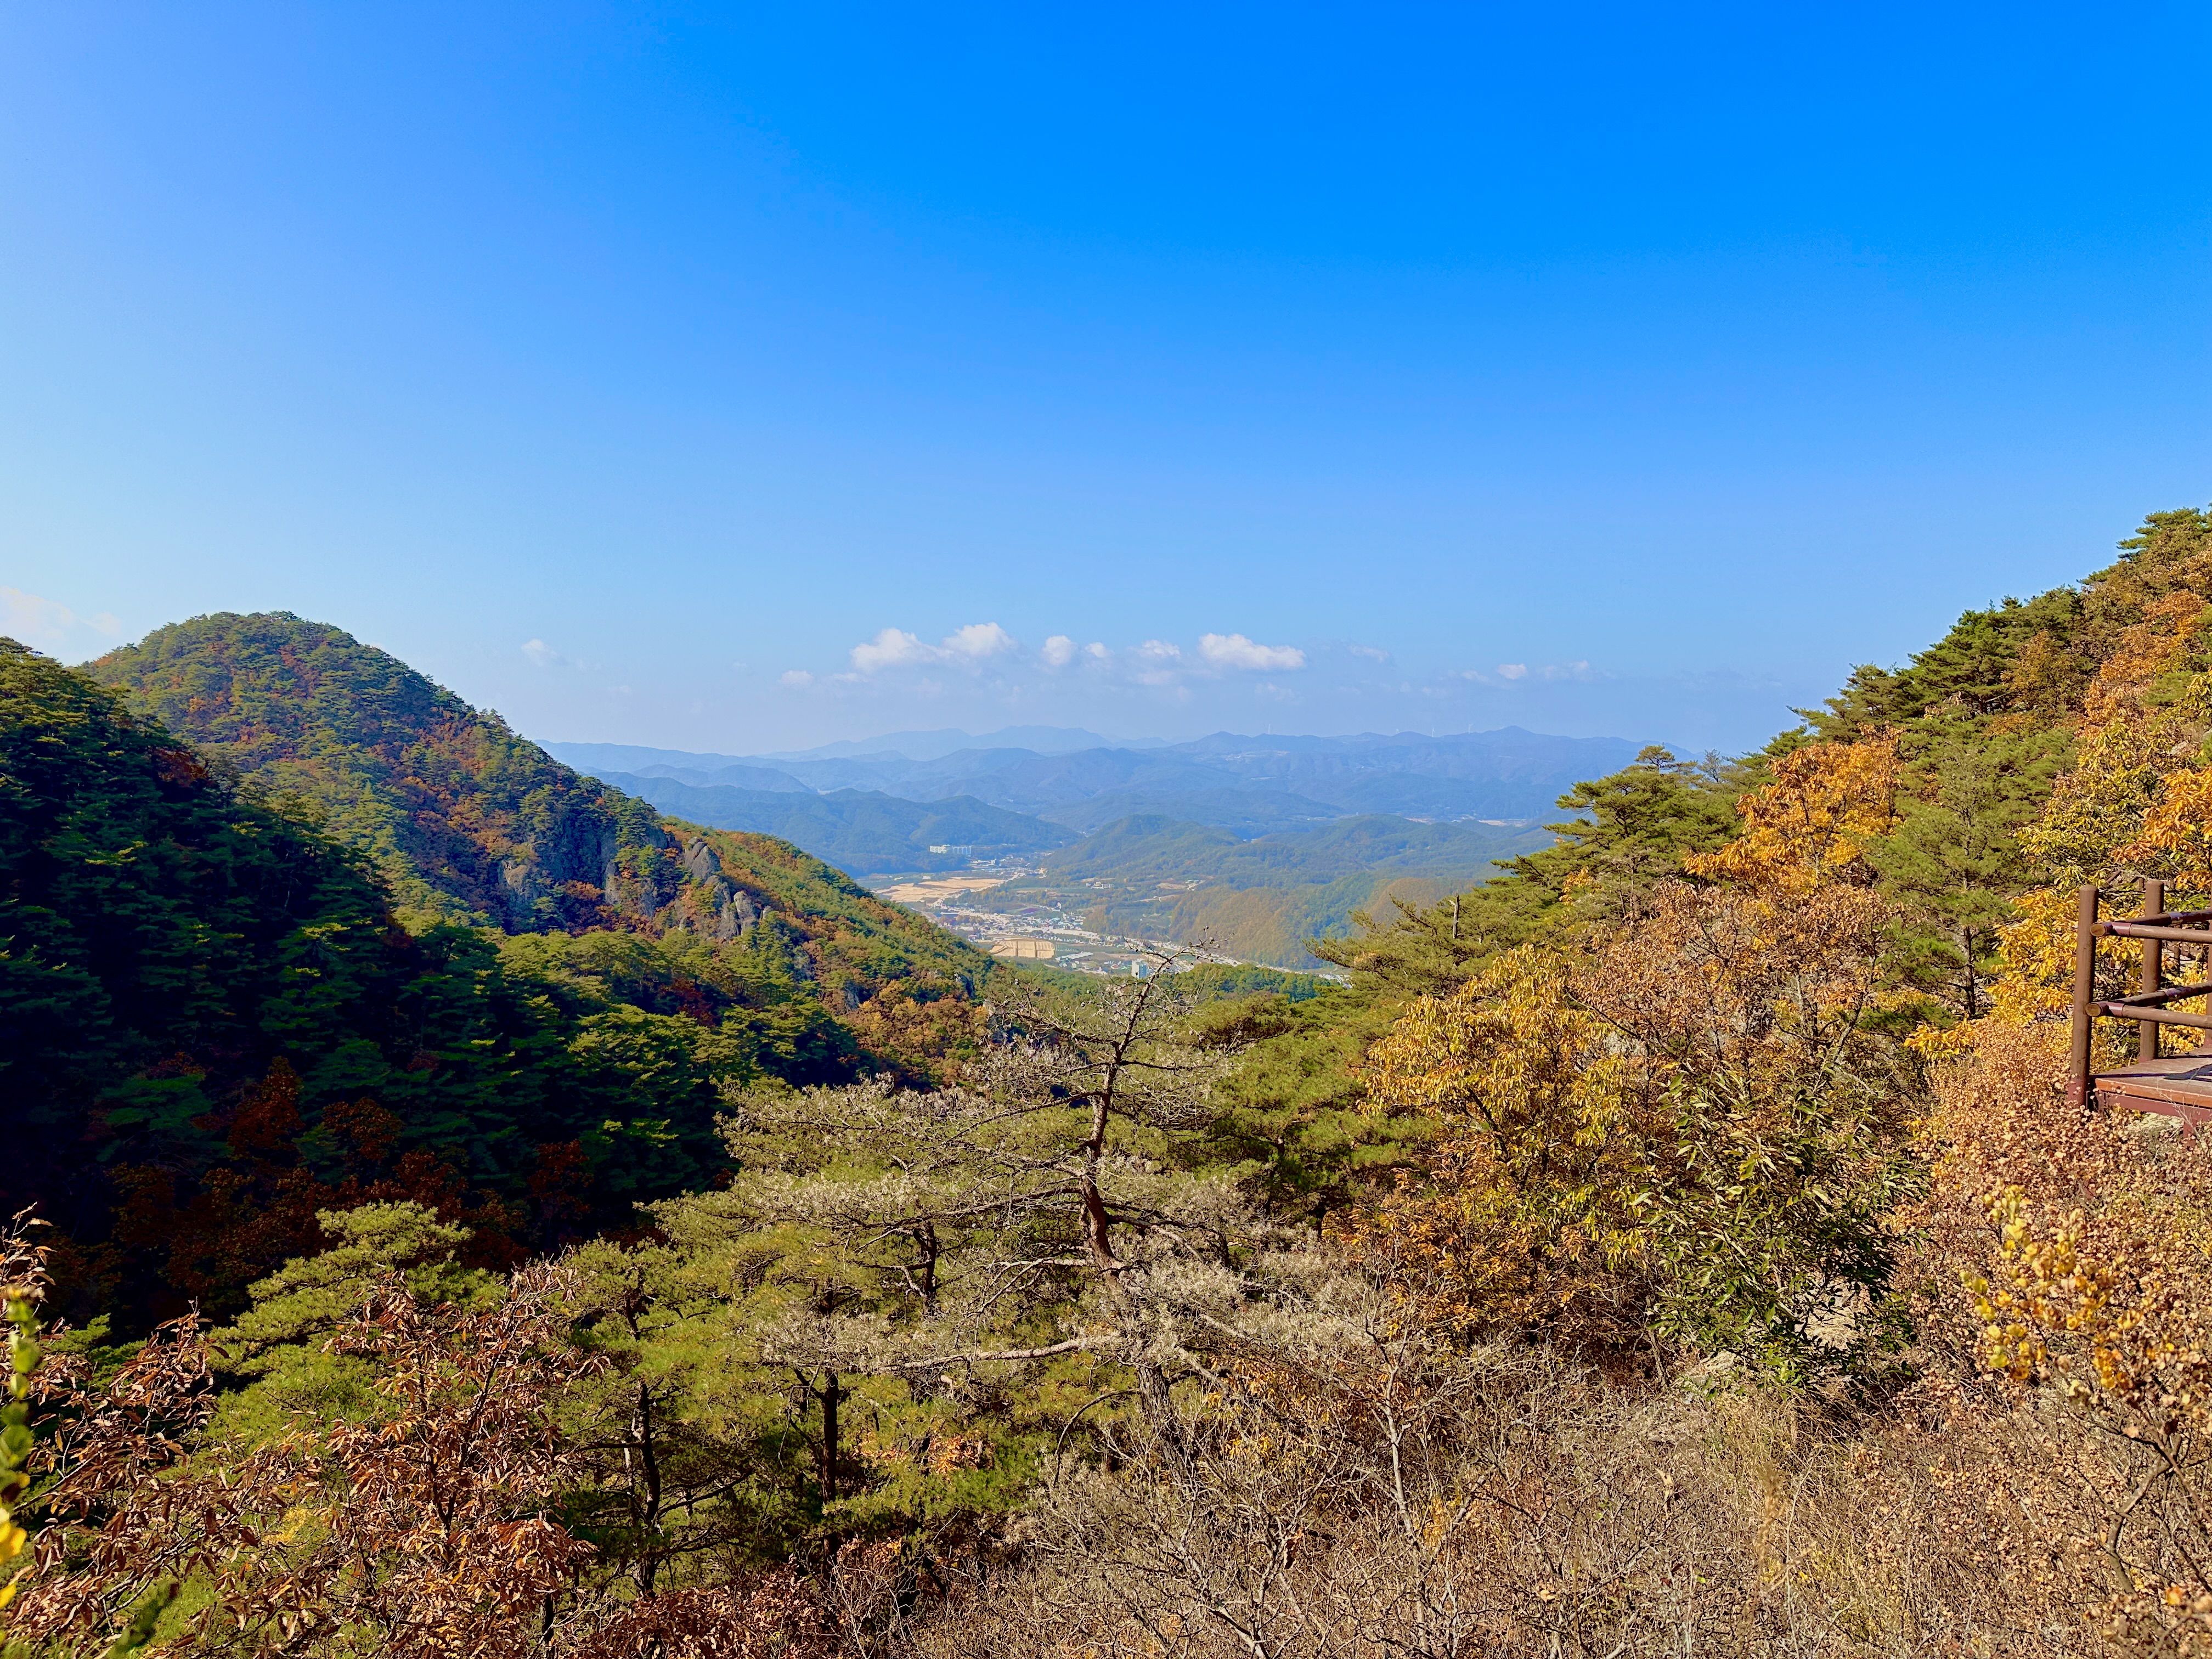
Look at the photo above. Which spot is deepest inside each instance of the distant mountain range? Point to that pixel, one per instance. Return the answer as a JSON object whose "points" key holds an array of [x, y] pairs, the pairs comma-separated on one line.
{"points": [[864, 833], [1287, 836], [1248, 785], [904, 745], [930, 745]]}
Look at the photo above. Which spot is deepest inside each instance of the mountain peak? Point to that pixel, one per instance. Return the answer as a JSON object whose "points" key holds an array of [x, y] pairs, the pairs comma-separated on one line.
{"points": [[466, 820]]}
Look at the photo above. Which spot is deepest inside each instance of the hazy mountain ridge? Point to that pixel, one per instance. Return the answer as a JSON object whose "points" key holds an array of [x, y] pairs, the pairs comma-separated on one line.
{"points": [[865, 833], [1508, 774], [1246, 812], [1161, 849], [596, 758], [930, 745]]}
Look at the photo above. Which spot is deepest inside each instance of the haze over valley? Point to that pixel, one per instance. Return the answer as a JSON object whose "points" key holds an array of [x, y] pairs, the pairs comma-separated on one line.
{"points": [[1252, 844]]}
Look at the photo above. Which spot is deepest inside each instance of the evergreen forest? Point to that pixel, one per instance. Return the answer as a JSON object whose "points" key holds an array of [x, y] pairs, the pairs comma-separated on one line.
{"points": [[460, 1210]]}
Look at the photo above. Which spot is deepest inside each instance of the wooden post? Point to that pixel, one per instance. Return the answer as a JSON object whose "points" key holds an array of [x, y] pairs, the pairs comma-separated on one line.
{"points": [[2154, 951], [2085, 984]]}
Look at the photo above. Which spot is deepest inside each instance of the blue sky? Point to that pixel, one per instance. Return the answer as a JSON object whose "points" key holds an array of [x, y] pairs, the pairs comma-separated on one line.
{"points": [[737, 378]]}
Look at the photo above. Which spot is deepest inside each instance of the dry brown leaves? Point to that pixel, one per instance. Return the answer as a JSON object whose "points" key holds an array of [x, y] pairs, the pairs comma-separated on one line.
{"points": [[424, 1533], [774, 1615]]}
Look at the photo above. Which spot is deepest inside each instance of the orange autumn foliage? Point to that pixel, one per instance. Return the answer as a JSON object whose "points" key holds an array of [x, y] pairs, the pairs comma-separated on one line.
{"points": [[1691, 1126], [2068, 1256], [2154, 648]]}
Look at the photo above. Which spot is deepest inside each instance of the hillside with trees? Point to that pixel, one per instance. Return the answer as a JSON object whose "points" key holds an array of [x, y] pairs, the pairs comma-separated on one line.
{"points": [[1681, 1244], [465, 820], [216, 1021]]}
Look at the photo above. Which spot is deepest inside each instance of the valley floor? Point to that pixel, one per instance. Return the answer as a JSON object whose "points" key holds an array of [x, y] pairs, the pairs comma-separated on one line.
{"points": [[1013, 911]]}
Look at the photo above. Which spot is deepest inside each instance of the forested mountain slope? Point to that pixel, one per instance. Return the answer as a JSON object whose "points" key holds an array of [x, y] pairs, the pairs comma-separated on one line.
{"points": [[1936, 781], [467, 820], [2038, 745], [468, 823], [213, 1020]]}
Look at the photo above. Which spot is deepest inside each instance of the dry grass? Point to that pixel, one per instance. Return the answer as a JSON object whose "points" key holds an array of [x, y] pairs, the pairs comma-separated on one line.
{"points": [[1572, 1521], [1356, 1493]]}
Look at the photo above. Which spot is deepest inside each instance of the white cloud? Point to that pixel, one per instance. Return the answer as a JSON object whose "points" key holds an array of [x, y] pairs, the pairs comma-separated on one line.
{"points": [[896, 648], [1160, 663], [1234, 651], [987, 654], [892, 648], [543, 655], [797, 679], [1372, 653], [979, 640], [51, 626], [1512, 673]]}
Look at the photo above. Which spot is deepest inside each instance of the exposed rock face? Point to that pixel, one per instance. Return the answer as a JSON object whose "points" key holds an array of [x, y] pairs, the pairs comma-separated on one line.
{"points": [[737, 915], [710, 903], [585, 847], [700, 860]]}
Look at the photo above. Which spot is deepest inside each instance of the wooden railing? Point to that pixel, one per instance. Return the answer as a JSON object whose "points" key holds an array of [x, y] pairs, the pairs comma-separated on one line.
{"points": [[2147, 1008]]}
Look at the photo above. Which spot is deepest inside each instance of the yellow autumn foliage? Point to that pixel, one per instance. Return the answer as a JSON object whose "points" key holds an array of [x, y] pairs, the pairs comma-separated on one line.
{"points": [[1524, 1209], [1811, 822], [2138, 803]]}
